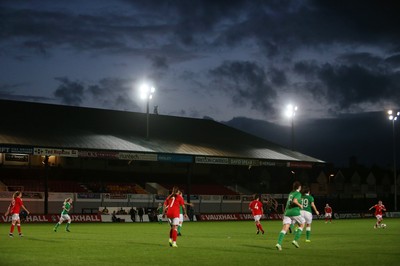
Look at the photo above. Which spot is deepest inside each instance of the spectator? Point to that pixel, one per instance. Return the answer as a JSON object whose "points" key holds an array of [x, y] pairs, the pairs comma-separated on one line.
{"points": [[105, 211], [132, 213], [141, 212], [114, 218], [191, 212]]}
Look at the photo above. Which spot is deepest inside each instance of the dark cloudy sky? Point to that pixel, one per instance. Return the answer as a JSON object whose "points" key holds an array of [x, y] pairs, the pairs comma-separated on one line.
{"points": [[240, 62]]}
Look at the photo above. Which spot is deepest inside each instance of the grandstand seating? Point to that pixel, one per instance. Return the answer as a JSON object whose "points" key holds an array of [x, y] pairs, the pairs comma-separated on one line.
{"points": [[30, 184]]}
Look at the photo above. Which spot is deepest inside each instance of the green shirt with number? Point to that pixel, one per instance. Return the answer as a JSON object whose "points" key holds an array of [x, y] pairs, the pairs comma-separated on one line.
{"points": [[67, 207], [291, 208], [306, 201]]}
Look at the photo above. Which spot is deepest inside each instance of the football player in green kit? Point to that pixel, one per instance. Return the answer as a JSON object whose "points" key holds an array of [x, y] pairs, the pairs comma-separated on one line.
{"points": [[308, 204], [292, 213], [64, 215]]}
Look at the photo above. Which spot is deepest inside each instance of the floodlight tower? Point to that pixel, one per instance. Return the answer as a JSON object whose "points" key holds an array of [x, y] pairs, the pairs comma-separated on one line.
{"points": [[393, 117], [146, 93]]}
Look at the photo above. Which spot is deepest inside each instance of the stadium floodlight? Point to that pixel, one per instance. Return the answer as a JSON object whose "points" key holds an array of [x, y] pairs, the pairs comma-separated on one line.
{"points": [[290, 113], [146, 93], [393, 117]]}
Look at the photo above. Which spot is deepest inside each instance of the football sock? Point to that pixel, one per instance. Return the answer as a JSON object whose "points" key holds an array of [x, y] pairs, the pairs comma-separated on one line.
{"points": [[57, 225], [308, 233], [298, 233], [67, 227], [19, 228], [174, 235], [260, 226], [170, 233], [280, 237], [179, 229], [12, 228]]}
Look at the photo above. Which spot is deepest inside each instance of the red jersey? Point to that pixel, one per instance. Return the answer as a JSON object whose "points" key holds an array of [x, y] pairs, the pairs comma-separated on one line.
{"points": [[16, 205], [173, 204], [379, 209], [256, 207], [328, 210]]}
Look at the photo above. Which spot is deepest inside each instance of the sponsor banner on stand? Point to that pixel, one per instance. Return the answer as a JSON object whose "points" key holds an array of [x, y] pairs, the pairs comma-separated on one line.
{"points": [[88, 196], [53, 218], [225, 160], [134, 156], [234, 217], [99, 154], [60, 196], [393, 214], [55, 152], [11, 149]]}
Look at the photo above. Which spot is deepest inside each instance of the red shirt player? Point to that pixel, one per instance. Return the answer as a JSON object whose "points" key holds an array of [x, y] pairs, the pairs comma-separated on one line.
{"points": [[256, 208], [14, 209], [328, 213], [172, 207], [379, 208]]}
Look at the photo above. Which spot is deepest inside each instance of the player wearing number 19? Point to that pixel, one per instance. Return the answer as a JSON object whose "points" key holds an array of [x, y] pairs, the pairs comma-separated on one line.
{"points": [[308, 202], [256, 208], [292, 213]]}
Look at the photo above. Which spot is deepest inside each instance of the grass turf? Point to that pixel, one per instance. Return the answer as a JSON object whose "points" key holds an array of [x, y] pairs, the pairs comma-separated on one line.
{"points": [[344, 242]]}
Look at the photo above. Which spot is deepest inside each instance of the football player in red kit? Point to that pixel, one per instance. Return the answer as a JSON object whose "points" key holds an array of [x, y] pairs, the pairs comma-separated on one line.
{"points": [[328, 213], [172, 208], [379, 208], [256, 208], [14, 209]]}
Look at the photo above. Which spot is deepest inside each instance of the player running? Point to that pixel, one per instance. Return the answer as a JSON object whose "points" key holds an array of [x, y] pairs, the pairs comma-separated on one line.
{"points": [[379, 208], [160, 210], [256, 208], [328, 213], [67, 205], [292, 213], [308, 202], [14, 209], [171, 208]]}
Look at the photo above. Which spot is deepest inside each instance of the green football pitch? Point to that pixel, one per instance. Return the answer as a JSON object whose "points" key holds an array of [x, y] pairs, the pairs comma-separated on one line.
{"points": [[343, 242]]}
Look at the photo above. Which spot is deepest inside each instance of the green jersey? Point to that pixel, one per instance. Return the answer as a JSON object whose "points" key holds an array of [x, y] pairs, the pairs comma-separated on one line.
{"points": [[291, 208], [160, 210], [306, 201], [67, 207]]}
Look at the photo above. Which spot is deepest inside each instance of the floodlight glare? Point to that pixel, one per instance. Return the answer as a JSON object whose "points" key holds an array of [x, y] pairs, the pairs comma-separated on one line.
{"points": [[290, 110]]}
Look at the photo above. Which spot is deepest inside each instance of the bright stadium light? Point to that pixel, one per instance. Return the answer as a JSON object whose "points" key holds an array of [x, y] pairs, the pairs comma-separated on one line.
{"points": [[290, 113], [393, 117], [146, 93]]}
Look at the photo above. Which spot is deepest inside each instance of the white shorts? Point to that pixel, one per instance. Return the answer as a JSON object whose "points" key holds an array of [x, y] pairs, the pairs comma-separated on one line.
{"points": [[15, 217], [307, 216], [173, 221], [159, 217], [297, 219], [328, 215], [379, 217], [257, 218], [65, 217], [181, 218]]}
